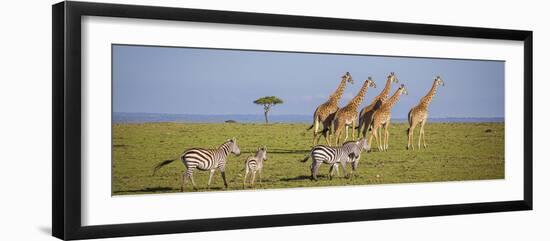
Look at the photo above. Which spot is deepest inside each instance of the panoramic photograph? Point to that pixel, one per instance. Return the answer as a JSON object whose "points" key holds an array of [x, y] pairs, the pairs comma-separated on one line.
{"points": [[202, 119]]}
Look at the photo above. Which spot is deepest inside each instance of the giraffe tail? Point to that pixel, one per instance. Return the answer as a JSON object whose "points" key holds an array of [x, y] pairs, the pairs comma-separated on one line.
{"points": [[310, 127]]}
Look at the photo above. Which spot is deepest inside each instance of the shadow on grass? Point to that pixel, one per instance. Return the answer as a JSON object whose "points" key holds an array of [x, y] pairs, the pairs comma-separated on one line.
{"points": [[165, 190], [298, 178], [280, 151], [149, 190]]}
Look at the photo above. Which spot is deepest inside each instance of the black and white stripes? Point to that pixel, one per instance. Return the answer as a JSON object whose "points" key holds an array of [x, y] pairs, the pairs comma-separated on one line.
{"points": [[205, 160], [349, 152], [255, 164]]}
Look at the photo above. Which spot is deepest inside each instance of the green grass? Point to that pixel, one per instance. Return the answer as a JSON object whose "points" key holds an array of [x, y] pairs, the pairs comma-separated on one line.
{"points": [[456, 151]]}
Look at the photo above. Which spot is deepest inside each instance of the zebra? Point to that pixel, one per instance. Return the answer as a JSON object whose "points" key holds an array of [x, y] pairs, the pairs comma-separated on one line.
{"points": [[255, 164], [204, 160], [349, 152], [354, 161]]}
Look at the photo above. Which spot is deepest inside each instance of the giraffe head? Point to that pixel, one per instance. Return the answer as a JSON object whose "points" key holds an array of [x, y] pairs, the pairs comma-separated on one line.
{"points": [[403, 90], [347, 77], [370, 82], [439, 81], [393, 78]]}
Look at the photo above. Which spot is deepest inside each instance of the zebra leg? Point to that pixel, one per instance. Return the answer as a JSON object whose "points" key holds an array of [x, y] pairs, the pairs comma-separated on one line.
{"points": [[184, 180], [245, 175], [210, 177], [330, 172], [253, 178], [224, 180], [314, 168], [343, 164], [336, 169], [193, 182], [187, 174], [260, 176]]}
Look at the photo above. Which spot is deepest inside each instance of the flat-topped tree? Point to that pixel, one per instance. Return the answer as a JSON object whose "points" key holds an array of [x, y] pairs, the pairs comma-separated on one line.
{"points": [[268, 102]]}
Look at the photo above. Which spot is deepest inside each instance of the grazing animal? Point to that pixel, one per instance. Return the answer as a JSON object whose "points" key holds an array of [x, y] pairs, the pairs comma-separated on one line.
{"points": [[347, 153], [365, 116], [354, 162], [418, 115], [347, 116], [255, 164], [324, 114], [204, 160], [381, 119]]}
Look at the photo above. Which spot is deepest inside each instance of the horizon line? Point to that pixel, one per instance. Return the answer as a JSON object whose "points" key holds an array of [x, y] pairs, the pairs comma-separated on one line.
{"points": [[259, 114]]}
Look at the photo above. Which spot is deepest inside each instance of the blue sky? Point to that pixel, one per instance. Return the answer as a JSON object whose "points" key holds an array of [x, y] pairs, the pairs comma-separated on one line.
{"points": [[172, 80]]}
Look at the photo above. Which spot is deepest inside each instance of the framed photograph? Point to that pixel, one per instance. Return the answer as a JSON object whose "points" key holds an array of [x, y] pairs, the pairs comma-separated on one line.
{"points": [[172, 120]]}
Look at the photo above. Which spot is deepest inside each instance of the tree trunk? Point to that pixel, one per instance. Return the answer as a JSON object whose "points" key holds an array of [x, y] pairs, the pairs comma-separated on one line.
{"points": [[265, 115]]}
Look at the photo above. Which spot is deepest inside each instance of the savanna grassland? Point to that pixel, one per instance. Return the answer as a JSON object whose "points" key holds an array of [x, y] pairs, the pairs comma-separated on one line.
{"points": [[456, 151]]}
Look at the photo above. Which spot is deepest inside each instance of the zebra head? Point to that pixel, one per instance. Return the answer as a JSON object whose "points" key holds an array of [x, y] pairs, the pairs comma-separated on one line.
{"points": [[233, 146], [262, 153], [363, 144]]}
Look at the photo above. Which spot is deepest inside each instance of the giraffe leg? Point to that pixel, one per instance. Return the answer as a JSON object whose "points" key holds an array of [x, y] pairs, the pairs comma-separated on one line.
{"points": [[315, 129], [346, 127], [410, 144], [423, 134], [420, 134], [353, 130], [387, 134], [337, 132], [375, 134], [370, 138]]}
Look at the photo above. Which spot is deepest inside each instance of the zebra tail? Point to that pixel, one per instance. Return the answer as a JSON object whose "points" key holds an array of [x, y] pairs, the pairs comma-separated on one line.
{"points": [[161, 164], [305, 159]]}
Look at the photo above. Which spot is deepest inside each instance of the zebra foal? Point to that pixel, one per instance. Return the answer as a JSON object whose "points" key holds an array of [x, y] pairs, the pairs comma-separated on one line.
{"points": [[255, 164], [204, 160], [349, 152]]}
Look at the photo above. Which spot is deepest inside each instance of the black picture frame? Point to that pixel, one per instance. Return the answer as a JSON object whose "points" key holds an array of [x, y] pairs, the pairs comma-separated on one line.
{"points": [[66, 75]]}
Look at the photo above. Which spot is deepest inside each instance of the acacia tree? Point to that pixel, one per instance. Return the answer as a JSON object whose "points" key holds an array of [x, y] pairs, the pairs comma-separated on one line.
{"points": [[268, 102]]}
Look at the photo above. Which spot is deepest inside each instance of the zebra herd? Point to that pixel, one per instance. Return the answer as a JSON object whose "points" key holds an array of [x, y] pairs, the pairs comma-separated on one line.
{"points": [[214, 159]]}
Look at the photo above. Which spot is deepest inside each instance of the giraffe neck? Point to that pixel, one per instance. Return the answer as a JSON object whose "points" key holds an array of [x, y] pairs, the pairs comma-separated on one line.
{"points": [[335, 97], [426, 100], [356, 101], [392, 100], [386, 91]]}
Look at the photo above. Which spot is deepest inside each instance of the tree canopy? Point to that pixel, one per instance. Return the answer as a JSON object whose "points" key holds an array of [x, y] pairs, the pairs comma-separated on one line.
{"points": [[268, 102]]}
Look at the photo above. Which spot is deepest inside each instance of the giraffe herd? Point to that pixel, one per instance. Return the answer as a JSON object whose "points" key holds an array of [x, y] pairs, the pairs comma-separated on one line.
{"points": [[375, 117]]}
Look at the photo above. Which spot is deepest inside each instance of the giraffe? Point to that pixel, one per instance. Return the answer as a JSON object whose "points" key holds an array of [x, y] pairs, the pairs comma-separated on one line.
{"points": [[382, 117], [365, 116], [325, 112], [419, 115], [347, 115]]}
